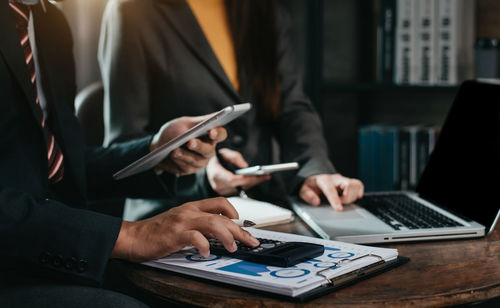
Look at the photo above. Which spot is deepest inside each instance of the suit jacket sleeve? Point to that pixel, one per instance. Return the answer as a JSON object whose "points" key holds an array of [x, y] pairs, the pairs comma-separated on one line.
{"points": [[62, 240], [102, 163], [44, 235], [300, 132]]}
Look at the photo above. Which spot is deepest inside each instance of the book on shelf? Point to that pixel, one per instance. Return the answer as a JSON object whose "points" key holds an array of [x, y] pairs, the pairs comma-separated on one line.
{"points": [[412, 164], [364, 153], [404, 159], [386, 35], [424, 72], [405, 49], [341, 264], [382, 158], [432, 41], [455, 41], [388, 158], [393, 157], [426, 139]]}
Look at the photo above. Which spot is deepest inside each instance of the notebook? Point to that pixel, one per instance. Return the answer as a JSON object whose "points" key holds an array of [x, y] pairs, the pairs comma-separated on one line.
{"points": [[260, 212], [340, 264], [456, 194]]}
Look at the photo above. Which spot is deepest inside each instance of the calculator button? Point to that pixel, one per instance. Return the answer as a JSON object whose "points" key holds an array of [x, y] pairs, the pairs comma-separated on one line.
{"points": [[267, 245]]}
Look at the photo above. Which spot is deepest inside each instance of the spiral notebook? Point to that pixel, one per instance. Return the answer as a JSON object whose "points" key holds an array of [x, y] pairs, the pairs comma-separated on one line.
{"points": [[341, 264]]}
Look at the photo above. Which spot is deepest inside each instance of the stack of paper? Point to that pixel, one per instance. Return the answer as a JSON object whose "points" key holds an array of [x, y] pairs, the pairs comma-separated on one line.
{"points": [[261, 213], [292, 281]]}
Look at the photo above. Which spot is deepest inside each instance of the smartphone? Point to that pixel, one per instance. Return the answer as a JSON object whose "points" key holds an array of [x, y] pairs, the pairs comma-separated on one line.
{"points": [[152, 159], [267, 169]]}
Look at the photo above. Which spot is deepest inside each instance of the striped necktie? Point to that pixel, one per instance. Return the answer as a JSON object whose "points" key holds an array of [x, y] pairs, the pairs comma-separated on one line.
{"points": [[54, 154]]}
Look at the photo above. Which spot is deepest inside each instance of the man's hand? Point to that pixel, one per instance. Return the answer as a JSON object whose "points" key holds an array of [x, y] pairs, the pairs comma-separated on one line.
{"points": [[187, 225], [223, 181], [197, 152], [336, 188]]}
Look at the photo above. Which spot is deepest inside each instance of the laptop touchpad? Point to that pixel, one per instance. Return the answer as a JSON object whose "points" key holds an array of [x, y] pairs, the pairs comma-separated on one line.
{"points": [[326, 213], [353, 220]]}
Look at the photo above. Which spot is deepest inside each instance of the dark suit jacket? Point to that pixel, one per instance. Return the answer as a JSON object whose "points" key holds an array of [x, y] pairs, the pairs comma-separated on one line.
{"points": [[45, 229], [157, 65]]}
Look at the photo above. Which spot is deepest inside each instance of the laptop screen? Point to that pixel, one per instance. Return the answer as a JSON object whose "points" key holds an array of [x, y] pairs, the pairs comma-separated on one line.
{"points": [[463, 172]]}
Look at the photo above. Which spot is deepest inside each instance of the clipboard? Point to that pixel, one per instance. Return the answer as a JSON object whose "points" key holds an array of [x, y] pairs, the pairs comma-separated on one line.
{"points": [[329, 287], [341, 265], [351, 278]]}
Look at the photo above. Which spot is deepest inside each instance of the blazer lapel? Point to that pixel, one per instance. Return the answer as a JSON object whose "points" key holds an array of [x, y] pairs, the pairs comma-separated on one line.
{"points": [[185, 24], [57, 72], [13, 54]]}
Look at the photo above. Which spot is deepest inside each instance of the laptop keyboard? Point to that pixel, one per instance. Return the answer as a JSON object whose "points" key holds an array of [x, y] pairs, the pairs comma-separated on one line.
{"points": [[401, 211]]}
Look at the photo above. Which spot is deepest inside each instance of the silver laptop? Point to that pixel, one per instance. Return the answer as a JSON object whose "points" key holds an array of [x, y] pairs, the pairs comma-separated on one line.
{"points": [[457, 194]]}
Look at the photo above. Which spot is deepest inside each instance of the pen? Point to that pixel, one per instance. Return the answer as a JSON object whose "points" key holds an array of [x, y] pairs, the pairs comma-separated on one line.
{"points": [[241, 192], [244, 222]]}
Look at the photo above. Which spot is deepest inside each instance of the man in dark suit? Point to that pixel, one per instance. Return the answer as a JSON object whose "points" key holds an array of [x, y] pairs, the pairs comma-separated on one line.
{"points": [[54, 251]]}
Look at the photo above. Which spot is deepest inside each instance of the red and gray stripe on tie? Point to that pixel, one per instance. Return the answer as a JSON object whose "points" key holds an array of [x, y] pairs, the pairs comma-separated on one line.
{"points": [[54, 154]]}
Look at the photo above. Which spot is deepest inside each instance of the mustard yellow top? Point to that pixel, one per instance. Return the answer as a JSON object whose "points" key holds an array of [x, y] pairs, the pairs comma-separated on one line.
{"points": [[213, 20]]}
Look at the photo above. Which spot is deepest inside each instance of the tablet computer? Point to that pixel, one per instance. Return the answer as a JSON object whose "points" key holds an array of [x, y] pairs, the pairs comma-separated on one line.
{"points": [[152, 159]]}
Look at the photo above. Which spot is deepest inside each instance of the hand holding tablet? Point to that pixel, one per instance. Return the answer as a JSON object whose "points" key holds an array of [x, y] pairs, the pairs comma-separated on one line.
{"points": [[156, 156]]}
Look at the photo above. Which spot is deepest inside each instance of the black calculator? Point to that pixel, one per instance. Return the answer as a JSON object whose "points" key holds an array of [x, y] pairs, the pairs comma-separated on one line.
{"points": [[270, 252]]}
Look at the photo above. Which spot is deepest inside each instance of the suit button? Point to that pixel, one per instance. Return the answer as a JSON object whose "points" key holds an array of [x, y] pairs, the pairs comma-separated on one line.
{"points": [[82, 266], [70, 263], [45, 257], [57, 260]]}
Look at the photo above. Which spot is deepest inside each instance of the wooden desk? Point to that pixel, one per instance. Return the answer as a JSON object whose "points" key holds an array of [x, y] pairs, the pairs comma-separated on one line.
{"points": [[439, 274]]}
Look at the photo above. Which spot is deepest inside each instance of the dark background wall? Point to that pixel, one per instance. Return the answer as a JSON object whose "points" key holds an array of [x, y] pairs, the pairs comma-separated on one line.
{"points": [[335, 45]]}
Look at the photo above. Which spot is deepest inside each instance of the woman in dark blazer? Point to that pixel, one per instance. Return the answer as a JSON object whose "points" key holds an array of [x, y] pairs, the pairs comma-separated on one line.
{"points": [[161, 59]]}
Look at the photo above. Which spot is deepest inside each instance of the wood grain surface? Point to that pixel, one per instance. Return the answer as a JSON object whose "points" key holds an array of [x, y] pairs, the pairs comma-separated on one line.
{"points": [[440, 273]]}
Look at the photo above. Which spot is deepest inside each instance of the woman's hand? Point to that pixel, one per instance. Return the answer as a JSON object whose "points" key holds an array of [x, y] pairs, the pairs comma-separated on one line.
{"points": [[336, 188], [223, 181], [192, 157]]}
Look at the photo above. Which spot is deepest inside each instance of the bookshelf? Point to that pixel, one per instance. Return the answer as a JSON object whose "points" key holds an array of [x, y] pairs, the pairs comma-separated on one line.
{"points": [[380, 87], [337, 41]]}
